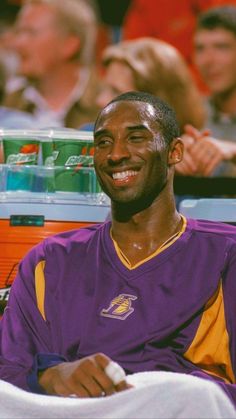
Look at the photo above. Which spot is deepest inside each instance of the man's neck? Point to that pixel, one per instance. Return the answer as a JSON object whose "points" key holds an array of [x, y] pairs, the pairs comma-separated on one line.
{"points": [[225, 102], [144, 232]]}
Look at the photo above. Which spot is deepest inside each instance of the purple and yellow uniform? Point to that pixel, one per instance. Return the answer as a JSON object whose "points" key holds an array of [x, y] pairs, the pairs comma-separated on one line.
{"points": [[76, 294]]}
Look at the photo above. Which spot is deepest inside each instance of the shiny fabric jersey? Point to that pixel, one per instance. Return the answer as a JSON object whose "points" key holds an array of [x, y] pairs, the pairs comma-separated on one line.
{"points": [[175, 311]]}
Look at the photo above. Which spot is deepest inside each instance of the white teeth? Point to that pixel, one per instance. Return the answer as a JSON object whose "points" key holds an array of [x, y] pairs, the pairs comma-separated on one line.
{"points": [[123, 175]]}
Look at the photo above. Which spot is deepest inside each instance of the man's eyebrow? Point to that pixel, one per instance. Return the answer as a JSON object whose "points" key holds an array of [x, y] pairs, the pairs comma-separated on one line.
{"points": [[140, 127], [100, 132]]}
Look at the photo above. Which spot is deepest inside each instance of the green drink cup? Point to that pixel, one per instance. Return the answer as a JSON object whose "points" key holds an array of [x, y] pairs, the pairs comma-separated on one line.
{"points": [[48, 158], [20, 152], [48, 153], [71, 157], [89, 182]]}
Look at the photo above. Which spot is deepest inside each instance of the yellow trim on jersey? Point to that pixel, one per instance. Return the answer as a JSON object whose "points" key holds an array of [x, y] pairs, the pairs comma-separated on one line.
{"points": [[160, 249], [40, 287], [210, 347]]}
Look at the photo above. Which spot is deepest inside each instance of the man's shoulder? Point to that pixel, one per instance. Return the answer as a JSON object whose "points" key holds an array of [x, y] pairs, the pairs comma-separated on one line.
{"points": [[11, 118], [67, 242], [15, 98], [80, 235], [213, 228]]}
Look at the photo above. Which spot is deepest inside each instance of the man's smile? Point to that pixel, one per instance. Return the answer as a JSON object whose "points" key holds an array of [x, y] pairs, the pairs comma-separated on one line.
{"points": [[125, 174]]}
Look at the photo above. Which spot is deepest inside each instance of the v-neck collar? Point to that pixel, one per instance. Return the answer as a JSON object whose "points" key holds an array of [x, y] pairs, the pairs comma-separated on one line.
{"points": [[169, 242]]}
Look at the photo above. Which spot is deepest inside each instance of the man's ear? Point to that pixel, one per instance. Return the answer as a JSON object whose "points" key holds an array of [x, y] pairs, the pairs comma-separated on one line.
{"points": [[72, 46], [176, 151]]}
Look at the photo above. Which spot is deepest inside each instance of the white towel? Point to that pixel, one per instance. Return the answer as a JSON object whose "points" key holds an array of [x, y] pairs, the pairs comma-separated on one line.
{"points": [[157, 395]]}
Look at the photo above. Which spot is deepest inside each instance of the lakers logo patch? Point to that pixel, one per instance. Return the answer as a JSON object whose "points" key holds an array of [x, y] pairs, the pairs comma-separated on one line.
{"points": [[120, 307]]}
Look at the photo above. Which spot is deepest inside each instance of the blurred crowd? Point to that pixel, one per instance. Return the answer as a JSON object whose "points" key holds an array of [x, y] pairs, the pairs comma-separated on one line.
{"points": [[61, 61]]}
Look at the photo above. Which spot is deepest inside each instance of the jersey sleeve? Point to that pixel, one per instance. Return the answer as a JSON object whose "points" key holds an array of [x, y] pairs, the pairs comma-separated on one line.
{"points": [[229, 296], [25, 338]]}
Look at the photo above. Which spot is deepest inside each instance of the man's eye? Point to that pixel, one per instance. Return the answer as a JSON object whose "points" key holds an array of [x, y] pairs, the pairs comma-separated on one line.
{"points": [[224, 47], [136, 138], [25, 32], [103, 142]]}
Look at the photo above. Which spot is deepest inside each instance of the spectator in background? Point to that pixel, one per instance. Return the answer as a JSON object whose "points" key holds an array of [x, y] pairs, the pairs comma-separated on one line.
{"points": [[151, 65], [8, 14], [215, 57], [171, 21], [55, 42], [10, 118]]}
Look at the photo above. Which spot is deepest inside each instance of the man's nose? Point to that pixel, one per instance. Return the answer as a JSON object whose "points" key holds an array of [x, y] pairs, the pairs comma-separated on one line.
{"points": [[19, 40], [206, 57], [119, 151]]}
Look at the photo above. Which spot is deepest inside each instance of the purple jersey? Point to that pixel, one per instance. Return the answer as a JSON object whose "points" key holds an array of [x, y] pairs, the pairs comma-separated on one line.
{"points": [[74, 296]]}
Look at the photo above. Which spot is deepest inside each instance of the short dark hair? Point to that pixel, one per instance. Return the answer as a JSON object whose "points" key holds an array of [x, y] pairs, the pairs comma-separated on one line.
{"points": [[164, 114], [218, 17]]}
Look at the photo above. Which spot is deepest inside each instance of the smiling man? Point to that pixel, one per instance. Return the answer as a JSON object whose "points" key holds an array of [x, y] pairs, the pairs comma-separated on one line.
{"points": [[148, 291]]}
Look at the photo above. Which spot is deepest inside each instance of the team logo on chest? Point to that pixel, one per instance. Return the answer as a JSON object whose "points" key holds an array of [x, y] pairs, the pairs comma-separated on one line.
{"points": [[120, 307]]}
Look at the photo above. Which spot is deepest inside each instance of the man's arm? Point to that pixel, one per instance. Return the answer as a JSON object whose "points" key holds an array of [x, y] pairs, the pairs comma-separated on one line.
{"points": [[27, 356], [93, 376], [228, 363], [210, 152], [23, 331], [204, 153]]}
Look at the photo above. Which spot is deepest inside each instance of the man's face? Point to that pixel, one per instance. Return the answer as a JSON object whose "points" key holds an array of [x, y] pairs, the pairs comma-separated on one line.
{"points": [[130, 156], [118, 78], [38, 41], [215, 57]]}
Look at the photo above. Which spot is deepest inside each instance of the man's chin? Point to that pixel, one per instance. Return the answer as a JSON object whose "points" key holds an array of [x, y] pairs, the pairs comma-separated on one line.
{"points": [[118, 195], [28, 75], [32, 79]]}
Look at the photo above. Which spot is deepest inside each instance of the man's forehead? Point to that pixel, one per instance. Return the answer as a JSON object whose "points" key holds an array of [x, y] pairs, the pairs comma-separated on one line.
{"points": [[216, 33], [128, 117], [39, 11], [136, 109]]}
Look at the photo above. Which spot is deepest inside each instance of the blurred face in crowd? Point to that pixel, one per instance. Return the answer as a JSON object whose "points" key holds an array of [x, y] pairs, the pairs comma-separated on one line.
{"points": [[118, 78], [40, 43], [215, 57]]}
